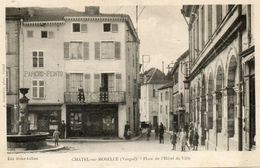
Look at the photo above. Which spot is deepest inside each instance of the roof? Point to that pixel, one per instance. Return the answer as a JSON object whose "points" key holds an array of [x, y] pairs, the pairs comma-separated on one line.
{"points": [[167, 85], [155, 76], [181, 57], [39, 14]]}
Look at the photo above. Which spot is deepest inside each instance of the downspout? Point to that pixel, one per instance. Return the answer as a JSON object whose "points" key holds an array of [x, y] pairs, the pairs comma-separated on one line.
{"points": [[240, 77]]}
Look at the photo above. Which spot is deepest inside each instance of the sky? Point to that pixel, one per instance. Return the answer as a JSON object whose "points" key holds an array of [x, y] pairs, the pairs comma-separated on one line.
{"points": [[162, 30]]}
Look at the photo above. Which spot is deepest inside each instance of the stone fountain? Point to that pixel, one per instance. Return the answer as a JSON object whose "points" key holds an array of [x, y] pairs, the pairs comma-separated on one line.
{"points": [[25, 140]]}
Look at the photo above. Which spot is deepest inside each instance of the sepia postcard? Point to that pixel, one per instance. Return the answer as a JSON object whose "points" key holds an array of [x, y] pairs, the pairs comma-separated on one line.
{"points": [[129, 83]]}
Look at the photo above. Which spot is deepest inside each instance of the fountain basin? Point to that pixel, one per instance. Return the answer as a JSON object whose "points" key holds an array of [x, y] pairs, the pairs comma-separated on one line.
{"points": [[31, 141]]}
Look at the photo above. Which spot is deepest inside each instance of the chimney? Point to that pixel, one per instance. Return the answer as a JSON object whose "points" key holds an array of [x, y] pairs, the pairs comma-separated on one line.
{"points": [[92, 10]]}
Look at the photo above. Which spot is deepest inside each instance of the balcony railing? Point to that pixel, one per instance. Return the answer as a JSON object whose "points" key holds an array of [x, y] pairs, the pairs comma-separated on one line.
{"points": [[96, 97]]}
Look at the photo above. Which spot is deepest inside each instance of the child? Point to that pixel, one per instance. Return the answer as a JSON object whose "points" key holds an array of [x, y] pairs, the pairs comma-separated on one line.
{"points": [[56, 135]]}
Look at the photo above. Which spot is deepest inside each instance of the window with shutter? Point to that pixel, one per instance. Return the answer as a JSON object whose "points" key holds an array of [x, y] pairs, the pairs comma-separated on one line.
{"points": [[107, 50], [118, 82], [86, 50], [117, 50], [83, 28], [96, 82], [44, 34], [87, 82], [97, 50], [66, 50]]}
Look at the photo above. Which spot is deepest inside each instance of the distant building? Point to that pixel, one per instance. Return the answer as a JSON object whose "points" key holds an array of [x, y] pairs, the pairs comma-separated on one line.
{"points": [[81, 67], [149, 102], [180, 103], [222, 75], [165, 106]]}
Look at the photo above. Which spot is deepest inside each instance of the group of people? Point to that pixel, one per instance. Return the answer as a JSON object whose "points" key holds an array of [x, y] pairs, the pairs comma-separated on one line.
{"points": [[188, 137]]}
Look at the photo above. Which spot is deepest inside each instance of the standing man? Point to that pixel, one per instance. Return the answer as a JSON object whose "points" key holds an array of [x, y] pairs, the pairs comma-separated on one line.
{"points": [[195, 140], [63, 129], [126, 130], [156, 130], [161, 133]]}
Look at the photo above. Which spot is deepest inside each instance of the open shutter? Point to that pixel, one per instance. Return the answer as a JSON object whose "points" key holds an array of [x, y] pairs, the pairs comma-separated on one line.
{"points": [[86, 50], [83, 28], [96, 82], [114, 28], [66, 50], [118, 82], [87, 82], [67, 82], [97, 50], [117, 50]]}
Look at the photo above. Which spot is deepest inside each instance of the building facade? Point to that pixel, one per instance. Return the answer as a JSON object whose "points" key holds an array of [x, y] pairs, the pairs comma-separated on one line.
{"points": [[180, 109], [221, 75], [81, 67], [165, 106], [153, 79]]}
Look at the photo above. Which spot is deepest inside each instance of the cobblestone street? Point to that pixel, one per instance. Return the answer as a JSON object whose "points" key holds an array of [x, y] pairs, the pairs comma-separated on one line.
{"points": [[141, 145]]}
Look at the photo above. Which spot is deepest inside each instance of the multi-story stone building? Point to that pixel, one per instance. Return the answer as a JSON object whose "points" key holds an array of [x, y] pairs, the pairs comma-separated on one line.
{"points": [[180, 109], [222, 76], [81, 67], [149, 101], [13, 30]]}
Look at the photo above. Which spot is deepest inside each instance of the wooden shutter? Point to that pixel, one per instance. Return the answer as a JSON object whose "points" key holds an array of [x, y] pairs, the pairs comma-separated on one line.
{"points": [[51, 34], [83, 28], [67, 82], [114, 28], [97, 50], [66, 50], [87, 82], [117, 50], [96, 82], [118, 82], [86, 50]]}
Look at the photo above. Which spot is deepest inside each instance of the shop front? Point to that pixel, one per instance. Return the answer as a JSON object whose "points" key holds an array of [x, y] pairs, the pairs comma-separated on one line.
{"points": [[92, 120], [44, 118]]}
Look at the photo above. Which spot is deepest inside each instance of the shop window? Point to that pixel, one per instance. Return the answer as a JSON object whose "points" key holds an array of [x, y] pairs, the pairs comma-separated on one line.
{"points": [[75, 121]]}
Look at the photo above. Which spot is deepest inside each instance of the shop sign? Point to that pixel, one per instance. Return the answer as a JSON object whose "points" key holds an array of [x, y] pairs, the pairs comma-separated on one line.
{"points": [[43, 73]]}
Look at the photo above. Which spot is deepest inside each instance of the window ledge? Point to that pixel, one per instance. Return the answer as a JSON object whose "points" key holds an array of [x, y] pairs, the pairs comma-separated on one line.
{"points": [[35, 98]]}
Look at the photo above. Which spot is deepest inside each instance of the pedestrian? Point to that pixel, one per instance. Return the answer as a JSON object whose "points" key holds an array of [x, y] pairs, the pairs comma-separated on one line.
{"points": [[81, 96], [174, 140], [161, 133], [63, 129], [195, 140], [148, 133], [126, 130], [56, 135], [183, 140], [191, 134], [156, 131]]}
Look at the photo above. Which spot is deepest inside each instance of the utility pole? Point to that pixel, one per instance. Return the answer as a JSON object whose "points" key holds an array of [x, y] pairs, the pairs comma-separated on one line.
{"points": [[136, 13]]}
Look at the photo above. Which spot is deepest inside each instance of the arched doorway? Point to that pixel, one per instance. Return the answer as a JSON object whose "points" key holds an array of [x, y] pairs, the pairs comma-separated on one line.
{"points": [[231, 96], [219, 102]]}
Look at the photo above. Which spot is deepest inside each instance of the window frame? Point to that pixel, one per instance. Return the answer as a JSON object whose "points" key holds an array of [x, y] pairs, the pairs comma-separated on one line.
{"points": [[111, 29], [38, 86], [72, 26], [82, 50], [47, 34], [38, 59], [114, 44]]}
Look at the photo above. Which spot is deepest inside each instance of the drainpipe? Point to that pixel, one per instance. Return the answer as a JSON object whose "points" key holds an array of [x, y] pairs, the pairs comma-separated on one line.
{"points": [[240, 77]]}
